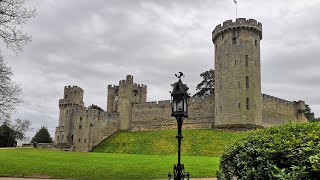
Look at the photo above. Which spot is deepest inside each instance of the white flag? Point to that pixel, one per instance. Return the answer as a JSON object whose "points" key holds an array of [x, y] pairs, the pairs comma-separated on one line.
{"points": [[235, 1]]}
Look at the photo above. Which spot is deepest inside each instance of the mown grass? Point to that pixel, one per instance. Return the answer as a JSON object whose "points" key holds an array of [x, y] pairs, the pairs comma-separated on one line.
{"points": [[211, 142], [60, 164]]}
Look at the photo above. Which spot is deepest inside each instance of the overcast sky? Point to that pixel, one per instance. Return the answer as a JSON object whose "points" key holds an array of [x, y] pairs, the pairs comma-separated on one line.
{"points": [[95, 43]]}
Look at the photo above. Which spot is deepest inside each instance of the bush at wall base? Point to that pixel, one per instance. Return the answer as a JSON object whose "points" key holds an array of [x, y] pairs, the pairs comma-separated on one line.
{"points": [[284, 152]]}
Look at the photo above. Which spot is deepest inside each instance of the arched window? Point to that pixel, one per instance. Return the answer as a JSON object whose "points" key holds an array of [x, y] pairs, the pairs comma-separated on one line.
{"points": [[80, 127], [135, 93]]}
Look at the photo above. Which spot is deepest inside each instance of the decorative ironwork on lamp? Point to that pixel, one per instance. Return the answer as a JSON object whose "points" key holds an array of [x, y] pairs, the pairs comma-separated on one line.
{"points": [[179, 100]]}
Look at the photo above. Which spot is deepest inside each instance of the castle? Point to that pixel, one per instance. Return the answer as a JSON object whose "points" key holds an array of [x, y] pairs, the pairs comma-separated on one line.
{"points": [[237, 101]]}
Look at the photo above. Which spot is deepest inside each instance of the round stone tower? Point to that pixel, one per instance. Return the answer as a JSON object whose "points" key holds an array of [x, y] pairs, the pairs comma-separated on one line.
{"points": [[237, 73], [72, 99]]}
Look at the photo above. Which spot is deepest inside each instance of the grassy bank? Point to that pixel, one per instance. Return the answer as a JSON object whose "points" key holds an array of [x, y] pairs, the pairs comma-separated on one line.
{"points": [[60, 164], [209, 142]]}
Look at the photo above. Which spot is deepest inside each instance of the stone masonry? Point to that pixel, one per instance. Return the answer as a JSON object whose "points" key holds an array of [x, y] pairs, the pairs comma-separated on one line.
{"points": [[237, 102]]}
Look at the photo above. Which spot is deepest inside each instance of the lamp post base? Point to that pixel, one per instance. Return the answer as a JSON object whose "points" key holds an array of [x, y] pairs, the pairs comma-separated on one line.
{"points": [[178, 173]]}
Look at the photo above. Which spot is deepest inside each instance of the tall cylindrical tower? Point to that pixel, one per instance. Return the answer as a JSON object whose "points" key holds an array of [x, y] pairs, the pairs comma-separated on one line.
{"points": [[72, 100], [237, 73]]}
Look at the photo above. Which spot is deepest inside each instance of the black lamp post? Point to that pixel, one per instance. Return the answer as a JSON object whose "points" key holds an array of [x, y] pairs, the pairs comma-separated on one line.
{"points": [[179, 100]]}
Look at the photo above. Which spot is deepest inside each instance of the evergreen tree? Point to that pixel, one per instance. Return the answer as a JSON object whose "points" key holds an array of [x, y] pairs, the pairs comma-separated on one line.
{"points": [[308, 114], [206, 86], [6, 138], [42, 136]]}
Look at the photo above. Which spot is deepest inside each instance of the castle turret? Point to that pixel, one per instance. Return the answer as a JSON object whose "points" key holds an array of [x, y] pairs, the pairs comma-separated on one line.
{"points": [[121, 98], [73, 99], [237, 73], [125, 102], [112, 98]]}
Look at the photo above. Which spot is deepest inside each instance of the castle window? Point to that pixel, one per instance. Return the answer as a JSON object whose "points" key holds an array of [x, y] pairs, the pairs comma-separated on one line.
{"points": [[80, 118], [247, 82], [255, 42], [239, 105], [234, 41], [220, 108], [80, 127], [65, 96], [238, 84], [79, 140], [222, 36], [85, 140], [135, 92], [247, 64], [220, 65], [235, 62], [58, 138], [247, 104]]}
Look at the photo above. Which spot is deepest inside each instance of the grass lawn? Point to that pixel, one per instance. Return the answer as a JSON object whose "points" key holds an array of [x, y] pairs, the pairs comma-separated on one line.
{"points": [[211, 142], [60, 164]]}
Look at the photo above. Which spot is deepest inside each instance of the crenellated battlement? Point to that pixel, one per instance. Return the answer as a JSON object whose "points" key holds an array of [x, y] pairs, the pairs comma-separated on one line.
{"points": [[63, 103], [73, 87], [298, 104], [239, 23], [135, 85], [154, 104], [113, 86], [270, 98], [128, 80]]}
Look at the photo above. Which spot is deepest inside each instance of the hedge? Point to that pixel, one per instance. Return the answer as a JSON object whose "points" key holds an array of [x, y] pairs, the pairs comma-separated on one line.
{"points": [[284, 152]]}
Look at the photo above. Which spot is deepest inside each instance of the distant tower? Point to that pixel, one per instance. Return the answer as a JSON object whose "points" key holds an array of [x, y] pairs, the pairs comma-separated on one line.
{"points": [[73, 98], [237, 73], [121, 99]]}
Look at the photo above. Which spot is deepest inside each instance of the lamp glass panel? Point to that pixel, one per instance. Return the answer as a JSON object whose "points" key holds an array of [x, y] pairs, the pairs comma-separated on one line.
{"points": [[180, 105], [174, 106], [185, 106]]}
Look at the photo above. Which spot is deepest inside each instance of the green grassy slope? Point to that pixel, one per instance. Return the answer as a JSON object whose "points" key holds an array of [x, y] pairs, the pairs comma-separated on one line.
{"points": [[209, 142], [77, 165]]}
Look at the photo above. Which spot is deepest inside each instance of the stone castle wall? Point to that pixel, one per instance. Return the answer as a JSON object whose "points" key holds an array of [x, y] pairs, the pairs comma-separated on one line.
{"points": [[157, 115], [276, 111], [237, 100], [87, 128]]}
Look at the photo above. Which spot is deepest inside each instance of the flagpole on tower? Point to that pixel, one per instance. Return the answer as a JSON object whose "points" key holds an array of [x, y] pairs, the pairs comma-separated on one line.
{"points": [[235, 1]]}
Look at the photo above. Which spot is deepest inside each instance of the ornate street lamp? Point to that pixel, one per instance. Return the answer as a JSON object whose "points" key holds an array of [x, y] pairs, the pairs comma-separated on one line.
{"points": [[179, 100]]}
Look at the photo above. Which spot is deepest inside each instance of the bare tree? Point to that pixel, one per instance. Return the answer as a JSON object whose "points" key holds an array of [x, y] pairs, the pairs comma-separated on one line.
{"points": [[18, 130], [10, 93], [13, 14]]}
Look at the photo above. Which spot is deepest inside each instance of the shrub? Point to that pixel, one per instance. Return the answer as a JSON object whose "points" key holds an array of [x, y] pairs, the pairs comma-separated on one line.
{"points": [[284, 152]]}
